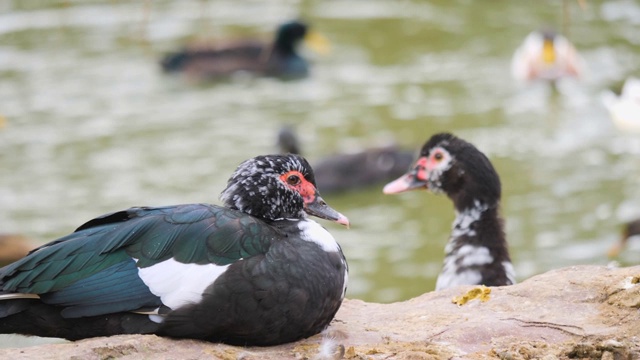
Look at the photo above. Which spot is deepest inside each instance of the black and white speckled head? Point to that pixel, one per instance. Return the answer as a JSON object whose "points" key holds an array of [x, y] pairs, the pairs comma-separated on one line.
{"points": [[451, 165], [275, 187]]}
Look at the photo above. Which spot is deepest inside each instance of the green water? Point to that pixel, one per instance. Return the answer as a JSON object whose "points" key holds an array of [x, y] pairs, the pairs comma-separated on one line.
{"points": [[93, 126]]}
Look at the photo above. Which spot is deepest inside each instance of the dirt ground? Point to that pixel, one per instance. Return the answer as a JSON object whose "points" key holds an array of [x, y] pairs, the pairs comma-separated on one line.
{"points": [[582, 312]]}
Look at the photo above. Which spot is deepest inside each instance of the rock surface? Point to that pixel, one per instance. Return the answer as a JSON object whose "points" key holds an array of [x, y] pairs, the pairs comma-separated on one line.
{"points": [[582, 312]]}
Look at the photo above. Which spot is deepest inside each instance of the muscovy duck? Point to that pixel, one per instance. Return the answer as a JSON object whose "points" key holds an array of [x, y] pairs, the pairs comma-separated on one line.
{"points": [[630, 229], [546, 55], [343, 172], [256, 271], [277, 59], [477, 252]]}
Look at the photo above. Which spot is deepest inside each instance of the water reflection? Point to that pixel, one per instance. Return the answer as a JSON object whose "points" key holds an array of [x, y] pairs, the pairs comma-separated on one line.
{"points": [[93, 126]]}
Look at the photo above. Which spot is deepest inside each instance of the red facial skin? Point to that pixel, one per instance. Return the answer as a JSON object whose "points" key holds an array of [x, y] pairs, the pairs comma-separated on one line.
{"points": [[421, 167], [296, 181], [313, 203]]}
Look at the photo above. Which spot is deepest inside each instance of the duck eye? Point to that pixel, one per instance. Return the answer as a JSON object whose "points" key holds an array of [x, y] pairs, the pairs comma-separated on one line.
{"points": [[438, 156], [293, 180]]}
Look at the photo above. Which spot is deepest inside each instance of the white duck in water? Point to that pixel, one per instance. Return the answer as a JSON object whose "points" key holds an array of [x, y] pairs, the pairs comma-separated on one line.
{"points": [[625, 108]]}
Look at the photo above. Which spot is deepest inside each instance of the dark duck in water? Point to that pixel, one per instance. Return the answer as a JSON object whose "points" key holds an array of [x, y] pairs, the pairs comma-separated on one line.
{"points": [[256, 271], [477, 250], [343, 172], [277, 59], [631, 229]]}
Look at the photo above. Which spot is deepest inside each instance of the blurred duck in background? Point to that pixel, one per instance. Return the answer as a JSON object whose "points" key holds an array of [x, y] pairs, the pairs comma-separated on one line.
{"points": [[14, 247], [344, 172], [546, 55], [625, 108], [630, 230], [278, 58]]}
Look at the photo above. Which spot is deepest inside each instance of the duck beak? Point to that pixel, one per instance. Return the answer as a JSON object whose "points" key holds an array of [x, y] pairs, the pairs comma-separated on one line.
{"points": [[406, 182], [548, 52], [319, 208], [317, 42]]}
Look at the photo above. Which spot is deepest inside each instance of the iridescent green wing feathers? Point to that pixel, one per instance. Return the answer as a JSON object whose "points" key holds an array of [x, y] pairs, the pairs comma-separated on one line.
{"points": [[198, 233]]}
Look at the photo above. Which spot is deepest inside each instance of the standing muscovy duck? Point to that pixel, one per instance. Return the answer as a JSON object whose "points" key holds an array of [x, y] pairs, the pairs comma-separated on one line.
{"points": [[256, 271], [277, 59], [477, 251]]}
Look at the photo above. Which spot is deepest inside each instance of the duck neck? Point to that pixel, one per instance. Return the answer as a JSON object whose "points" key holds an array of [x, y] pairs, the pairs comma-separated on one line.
{"points": [[477, 251], [284, 47], [478, 225]]}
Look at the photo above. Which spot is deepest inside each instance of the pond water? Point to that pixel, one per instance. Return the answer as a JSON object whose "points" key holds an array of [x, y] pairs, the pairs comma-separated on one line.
{"points": [[91, 125]]}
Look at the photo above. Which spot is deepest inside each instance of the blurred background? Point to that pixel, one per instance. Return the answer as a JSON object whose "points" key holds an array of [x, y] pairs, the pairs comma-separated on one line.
{"points": [[90, 124]]}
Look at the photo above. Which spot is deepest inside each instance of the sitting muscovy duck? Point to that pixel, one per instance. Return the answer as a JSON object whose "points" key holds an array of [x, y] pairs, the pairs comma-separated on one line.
{"points": [[277, 59], [343, 172], [546, 55], [477, 252], [256, 271], [630, 229]]}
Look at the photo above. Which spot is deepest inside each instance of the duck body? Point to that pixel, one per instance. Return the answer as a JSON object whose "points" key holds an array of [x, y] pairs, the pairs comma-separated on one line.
{"points": [[247, 273], [546, 55], [211, 63], [339, 173], [477, 252], [343, 172], [277, 59]]}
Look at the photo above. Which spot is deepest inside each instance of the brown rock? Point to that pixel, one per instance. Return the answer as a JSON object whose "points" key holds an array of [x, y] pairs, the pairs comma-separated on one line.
{"points": [[587, 312]]}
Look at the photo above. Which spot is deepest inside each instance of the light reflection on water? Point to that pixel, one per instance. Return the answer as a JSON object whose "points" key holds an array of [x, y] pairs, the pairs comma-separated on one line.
{"points": [[93, 126]]}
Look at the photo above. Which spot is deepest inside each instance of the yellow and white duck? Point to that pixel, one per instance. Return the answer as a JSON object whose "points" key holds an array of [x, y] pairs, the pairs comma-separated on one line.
{"points": [[625, 108], [546, 55]]}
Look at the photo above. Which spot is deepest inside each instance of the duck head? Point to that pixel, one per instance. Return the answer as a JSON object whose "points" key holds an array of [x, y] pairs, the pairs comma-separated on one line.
{"points": [[274, 187], [448, 164], [290, 34]]}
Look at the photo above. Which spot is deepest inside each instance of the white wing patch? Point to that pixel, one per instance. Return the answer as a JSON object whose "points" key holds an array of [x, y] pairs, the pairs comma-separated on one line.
{"points": [[178, 284], [314, 232]]}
